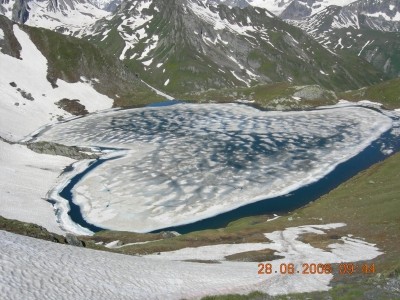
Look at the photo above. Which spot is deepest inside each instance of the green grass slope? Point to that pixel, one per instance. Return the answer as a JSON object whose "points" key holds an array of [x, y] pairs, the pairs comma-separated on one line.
{"points": [[387, 93]]}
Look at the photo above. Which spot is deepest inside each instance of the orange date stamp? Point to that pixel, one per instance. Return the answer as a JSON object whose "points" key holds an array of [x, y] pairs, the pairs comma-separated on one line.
{"points": [[315, 268]]}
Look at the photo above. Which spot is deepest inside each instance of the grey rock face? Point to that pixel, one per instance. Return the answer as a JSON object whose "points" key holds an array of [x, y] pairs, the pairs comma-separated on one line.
{"points": [[73, 240], [9, 44], [60, 5], [371, 14], [20, 11], [296, 10]]}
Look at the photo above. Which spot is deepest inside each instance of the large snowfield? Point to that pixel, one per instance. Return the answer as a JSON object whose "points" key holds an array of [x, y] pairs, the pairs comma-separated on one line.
{"points": [[36, 269], [25, 179], [188, 162]]}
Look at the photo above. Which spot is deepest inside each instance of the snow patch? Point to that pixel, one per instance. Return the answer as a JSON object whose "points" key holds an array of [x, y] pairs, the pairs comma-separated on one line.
{"points": [[366, 44], [240, 79], [158, 92], [147, 63]]}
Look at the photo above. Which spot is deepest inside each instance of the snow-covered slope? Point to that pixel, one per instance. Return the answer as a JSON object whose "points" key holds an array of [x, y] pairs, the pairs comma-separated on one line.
{"points": [[65, 16], [368, 28], [65, 19], [28, 99], [295, 9], [107, 5], [6, 8], [274, 6], [364, 14], [38, 269], [25, 179], [196, 45]]}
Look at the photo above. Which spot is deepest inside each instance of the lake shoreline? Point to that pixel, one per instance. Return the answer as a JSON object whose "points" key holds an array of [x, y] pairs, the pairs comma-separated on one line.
{"points": [[271, 205]]}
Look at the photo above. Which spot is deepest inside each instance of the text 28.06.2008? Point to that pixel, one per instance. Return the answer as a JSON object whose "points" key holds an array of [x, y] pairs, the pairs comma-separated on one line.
{"points": [[314, 268]]}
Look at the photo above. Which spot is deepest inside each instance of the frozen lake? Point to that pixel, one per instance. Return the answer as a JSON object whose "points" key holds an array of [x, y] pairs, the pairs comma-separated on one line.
{"points": [[187, 162]]}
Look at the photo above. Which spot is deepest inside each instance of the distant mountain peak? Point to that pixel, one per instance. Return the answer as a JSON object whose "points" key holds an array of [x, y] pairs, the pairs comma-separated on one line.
{"points": [[107, 5], [65, 16], [297, 9]]}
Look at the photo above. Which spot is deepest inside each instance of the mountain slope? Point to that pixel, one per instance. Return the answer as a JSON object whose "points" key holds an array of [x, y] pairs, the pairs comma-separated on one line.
{"points": [[190, 45], [387, 93], [44, 73], [364, 14], [369, 29], [297, 9], [107, 5]]}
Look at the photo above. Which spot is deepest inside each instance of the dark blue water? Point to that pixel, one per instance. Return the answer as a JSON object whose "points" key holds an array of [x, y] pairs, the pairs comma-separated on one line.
{"points": [[279, 205], [165, 103], [75, 210]]}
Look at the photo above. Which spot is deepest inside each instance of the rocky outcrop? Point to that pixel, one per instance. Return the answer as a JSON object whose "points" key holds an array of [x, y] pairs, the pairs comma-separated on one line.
{"points": [[9, 44], [29, 229], [38, 232], [296, 10], [20, 11], [74, 107], [72, 240], [73, 152]]}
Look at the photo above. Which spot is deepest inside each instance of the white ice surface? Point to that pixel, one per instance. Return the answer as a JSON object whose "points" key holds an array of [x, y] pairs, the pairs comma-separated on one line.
{"points": [[33, 268], [20, 116], [189, 162], [25, 179]]}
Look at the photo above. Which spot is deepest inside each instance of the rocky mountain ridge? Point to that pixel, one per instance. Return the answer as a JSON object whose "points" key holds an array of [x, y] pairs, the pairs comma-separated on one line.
{"points": [[185, 46], [366, 28], [65, 16]]}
